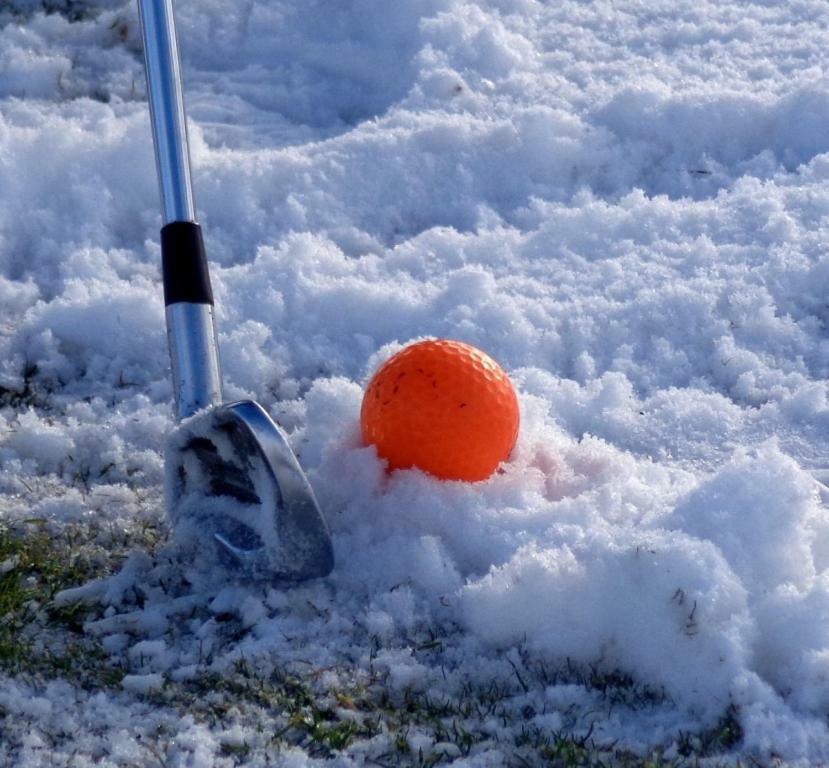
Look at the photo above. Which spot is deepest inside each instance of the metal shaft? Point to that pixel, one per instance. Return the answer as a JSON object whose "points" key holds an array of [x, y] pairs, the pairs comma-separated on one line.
{"points": [[194, 353], [191, 328], [166, 99]]}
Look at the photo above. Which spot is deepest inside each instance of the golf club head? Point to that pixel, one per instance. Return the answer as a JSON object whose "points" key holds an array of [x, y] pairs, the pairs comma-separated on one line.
{"points": [[233, 477]]}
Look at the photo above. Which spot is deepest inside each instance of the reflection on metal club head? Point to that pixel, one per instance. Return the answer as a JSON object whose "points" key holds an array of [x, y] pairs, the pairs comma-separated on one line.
{"points": [[231, 468]]}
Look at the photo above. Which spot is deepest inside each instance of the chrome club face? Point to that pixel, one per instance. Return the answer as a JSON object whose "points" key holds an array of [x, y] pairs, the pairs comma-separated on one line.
{"points": [[232, 473]]}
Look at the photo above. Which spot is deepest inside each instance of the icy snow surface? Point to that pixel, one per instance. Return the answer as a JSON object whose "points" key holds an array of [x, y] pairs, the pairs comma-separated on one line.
{"points": [[624, 203]]}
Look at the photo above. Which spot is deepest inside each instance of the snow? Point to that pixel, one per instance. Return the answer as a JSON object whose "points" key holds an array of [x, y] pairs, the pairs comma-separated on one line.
{"points": [[625, 204], [142, 684]]}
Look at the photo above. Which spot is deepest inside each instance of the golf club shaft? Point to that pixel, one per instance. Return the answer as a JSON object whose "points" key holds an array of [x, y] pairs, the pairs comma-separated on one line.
{"points": [[167, 115], [188, 296]]}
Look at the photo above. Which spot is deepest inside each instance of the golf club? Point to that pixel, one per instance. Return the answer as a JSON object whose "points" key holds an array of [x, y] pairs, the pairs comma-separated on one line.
{"points": [[231, 474]]}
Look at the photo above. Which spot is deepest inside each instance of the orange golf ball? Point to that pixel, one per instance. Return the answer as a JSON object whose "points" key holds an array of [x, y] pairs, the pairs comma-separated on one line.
{"points": [[443, 406]]}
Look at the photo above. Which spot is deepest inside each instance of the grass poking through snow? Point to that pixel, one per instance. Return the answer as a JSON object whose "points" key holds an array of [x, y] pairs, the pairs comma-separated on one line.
{"points": [[40, 641], [38, 638]]}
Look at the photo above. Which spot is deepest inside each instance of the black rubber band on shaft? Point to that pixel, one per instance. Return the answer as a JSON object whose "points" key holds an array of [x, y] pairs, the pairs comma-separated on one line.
{"points": [[184, 264]]}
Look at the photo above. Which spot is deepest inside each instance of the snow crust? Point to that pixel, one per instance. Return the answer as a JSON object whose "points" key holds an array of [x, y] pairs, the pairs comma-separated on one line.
{"points": [[625, 204]]}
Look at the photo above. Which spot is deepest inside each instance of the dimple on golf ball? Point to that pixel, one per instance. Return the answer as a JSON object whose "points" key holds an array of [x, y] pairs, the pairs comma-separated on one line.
{"points": [[443, 406]]}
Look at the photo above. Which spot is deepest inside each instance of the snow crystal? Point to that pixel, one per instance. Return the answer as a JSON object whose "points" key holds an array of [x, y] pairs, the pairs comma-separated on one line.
{"points": [[142, 684]]}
